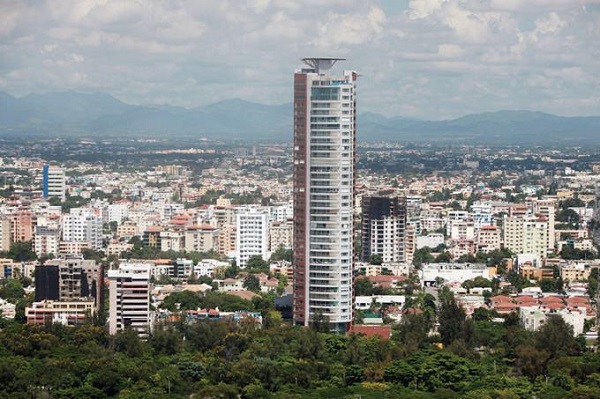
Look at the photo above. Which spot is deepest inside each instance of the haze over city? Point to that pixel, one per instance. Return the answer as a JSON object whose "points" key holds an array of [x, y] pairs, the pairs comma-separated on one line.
{"points": [[430, 59]]}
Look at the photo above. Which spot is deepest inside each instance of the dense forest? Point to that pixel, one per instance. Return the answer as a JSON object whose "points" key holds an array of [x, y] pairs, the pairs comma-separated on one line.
{"points": [[467, 358]]}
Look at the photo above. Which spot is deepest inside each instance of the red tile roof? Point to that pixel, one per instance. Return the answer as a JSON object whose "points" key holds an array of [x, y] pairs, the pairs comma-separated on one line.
{"points": [[383, 332]]}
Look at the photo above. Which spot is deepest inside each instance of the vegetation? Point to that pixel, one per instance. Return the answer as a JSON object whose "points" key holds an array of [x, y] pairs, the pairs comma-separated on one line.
{"points": [[228, 360]]}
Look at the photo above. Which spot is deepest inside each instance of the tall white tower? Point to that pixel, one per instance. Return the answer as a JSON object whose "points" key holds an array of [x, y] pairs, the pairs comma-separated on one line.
{"points": [[324, 174]]}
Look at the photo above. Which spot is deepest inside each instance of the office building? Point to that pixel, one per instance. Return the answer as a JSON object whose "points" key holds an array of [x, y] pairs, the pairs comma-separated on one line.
{"points": [[323, 197]]}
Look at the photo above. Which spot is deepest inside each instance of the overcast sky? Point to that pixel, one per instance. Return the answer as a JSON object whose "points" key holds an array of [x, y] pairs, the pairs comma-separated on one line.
{"points": [[431, 59]]}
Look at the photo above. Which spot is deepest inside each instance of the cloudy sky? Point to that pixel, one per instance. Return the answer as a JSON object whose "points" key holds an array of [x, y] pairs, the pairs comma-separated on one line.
{"points": [[431, 59]]}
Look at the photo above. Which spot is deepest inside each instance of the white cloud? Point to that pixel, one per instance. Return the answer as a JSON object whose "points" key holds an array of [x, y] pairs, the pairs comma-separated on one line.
{"points": [[551, 23], [428, 58], [351, 29]]}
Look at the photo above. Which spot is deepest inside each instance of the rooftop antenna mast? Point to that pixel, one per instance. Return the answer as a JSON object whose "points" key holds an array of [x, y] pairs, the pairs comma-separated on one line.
{"points": [[321, 64]]}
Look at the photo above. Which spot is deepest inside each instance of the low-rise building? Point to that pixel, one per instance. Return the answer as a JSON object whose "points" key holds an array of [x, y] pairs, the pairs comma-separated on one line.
{"points": [[453, 272], [68, 313], [534, 317]]}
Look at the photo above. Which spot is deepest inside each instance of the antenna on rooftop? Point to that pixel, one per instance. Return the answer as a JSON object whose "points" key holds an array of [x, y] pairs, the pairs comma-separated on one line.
{"points": [[320, 64]]}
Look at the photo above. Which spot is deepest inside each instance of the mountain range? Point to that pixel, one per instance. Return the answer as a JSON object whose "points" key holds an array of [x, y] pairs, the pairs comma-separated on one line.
{"points": [[74, 114]]}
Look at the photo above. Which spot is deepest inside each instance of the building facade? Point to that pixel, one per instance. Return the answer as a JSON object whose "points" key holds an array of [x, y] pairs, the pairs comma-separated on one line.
{"points": [[129, 298], [54, 182], [252, 235], [323, 197], [383, 228]]}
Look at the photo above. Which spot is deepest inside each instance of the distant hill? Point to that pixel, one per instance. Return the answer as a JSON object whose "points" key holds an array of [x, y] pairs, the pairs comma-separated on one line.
{"points": [[74, 113]]}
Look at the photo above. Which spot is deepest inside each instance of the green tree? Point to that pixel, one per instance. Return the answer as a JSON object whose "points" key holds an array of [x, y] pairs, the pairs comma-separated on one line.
{"points": [[376, 259], [256, 264], [363, 287], [12, 290], [422, 255], [556, 337], [21, 251], [252, 283], [182, 300], [232, 271], [451, 318], [320, 322], [281, 253]]}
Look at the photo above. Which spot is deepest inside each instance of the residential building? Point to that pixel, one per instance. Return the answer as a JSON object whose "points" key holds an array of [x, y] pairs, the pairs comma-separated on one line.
{"points": [[118, 212], [54, 182], [281, 234], [69, 279], [83, 226], [21, 226], [323, 194], [533, 317], [252, 237], [201, 238], [172, 240], [68, 313], [4, 234], [526, 235], [383, 228], [129, 298], [46, 241], [459, 272]]}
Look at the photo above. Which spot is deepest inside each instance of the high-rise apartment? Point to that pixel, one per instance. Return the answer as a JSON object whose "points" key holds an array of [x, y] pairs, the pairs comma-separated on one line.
{"points": [[383, 228], [324, 174], [252, 237], [129, 298]]}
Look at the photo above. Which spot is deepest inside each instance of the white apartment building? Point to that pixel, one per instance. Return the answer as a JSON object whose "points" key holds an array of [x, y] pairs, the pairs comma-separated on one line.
{"points": [[547, 209], [452, 272], [129, 298], [252, 238], [431, 240], [281, 213], [482, 215], [46, 241], [534, 317], [167, 211], [461, 230], [172, 240], [365, 302], [117, 213], [82, 226], [206, 267]]}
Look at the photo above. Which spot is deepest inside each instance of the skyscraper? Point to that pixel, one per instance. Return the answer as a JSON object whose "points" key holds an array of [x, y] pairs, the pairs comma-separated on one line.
{"points": [[324, 172]]}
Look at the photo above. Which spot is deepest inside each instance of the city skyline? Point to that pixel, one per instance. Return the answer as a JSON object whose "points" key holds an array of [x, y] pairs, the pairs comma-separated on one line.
{"points": [[432, 59]]}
